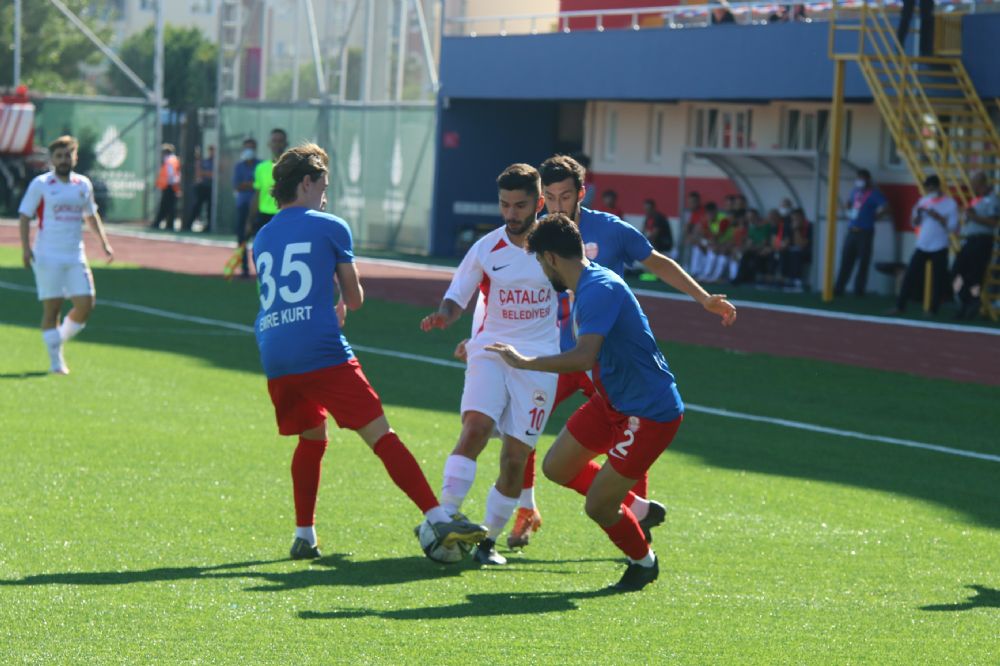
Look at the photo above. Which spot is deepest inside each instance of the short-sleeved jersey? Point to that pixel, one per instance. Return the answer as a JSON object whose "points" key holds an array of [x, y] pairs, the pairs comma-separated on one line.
{"points": [[263, 181], [518, 301], [863, 206], [987, 205], [631, 371], [296, 255], [610, 242], [932, 236], [60, 207]]}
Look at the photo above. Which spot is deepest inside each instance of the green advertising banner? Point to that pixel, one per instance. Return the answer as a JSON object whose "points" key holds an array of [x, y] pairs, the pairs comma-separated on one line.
{"points": [[114, 151]]}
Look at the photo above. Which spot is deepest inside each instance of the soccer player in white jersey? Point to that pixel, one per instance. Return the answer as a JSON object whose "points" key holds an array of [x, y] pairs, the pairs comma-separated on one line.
{"points": [[62, 201], [520, 305]]}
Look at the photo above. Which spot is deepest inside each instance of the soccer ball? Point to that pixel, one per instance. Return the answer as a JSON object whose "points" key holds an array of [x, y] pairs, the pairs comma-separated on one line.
{"points": [[433, 548]]}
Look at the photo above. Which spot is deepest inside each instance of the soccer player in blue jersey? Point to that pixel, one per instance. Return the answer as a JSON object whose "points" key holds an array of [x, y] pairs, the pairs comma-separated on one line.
{"points": [[635, 411], [616, 245], [310, 367]]}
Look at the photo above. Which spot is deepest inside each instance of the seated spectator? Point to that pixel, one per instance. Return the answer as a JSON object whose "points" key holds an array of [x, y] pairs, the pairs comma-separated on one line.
{"points": [[657, 229], [706, 253], [796, 250], [934, 216], [609, 199], [729, 250], [693, 223], [756, 250]]}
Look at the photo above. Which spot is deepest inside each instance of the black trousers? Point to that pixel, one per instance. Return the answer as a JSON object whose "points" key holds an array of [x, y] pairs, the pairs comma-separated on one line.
{"points": [[913, 279], [857, 247], [202, 197], [971, 264], [168, 208], [926, 24]]}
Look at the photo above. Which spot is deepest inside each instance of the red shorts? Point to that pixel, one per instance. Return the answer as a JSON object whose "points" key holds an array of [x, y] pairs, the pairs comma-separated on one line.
{"points": [[632, 443], [302, 401], [571, 383]]}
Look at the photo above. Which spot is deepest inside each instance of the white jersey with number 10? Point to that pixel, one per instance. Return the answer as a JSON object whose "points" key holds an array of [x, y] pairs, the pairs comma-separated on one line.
{"points": [[520, 303]]}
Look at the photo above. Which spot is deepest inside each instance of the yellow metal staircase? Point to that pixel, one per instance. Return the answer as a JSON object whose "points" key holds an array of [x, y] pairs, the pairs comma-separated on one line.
{"points": [[936, 119]]}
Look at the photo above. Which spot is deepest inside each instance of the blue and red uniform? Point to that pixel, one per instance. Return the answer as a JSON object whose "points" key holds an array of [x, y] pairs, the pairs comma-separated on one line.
{"points": [[636, 409], [310, 367], [614, 244]]}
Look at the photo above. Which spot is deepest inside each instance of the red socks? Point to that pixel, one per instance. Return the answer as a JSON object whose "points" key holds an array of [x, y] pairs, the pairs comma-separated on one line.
{"points": [[404, 471], [627, 535], [640, 489], [305, 479], [529, 472], [581, 483]]}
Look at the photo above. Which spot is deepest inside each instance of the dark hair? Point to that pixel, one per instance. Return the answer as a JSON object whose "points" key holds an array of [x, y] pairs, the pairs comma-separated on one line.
{"points": [[694, 193], [304, 160], [711, 206], [650, 202], [250, 139], [609, 193], [560, 167], [556, 233], [64, 141], [522, 177], [932, 181], [283, 133], [865, 173]]}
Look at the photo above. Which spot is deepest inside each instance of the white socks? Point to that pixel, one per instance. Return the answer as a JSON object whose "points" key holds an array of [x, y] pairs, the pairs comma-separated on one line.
{"points": [[307, 533], [53, 342], [69, 328], [459, 473], [499, 509], [639, 507], [527, 500], [647, 561], [437, 515]]}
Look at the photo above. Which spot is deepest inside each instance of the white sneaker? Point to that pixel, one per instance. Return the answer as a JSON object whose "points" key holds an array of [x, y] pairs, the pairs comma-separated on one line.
{"points": [[59, 363]]}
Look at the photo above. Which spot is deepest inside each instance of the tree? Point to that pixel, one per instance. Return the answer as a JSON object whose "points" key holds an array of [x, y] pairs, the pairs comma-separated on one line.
{"points": [[189, 66], [52, 49]]}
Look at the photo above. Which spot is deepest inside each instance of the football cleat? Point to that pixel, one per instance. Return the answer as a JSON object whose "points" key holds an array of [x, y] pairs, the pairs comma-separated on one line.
{"points": [[657, 512], [526, 523], [303, 550], [459, 531], [486, 553], [637, 577]]}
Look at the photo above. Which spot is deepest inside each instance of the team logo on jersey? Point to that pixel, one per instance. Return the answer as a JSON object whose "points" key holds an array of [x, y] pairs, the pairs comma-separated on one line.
{"points": [[633, 424], [539, 397], [591, 250]]}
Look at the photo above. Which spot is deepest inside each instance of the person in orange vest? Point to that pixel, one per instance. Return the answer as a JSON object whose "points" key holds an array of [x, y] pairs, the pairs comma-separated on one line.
{"points": [[168, 182]]}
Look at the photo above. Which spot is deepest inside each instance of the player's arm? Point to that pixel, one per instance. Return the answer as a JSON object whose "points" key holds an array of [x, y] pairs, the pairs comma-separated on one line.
{"points": [[671, 273], [581, 357], [447, 314], [351, 291], [98, 228], [25, 225]]}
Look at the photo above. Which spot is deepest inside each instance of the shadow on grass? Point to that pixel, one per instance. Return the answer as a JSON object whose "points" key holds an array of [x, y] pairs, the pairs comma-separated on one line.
{"points": [[984, 597], [476, 605], [330, 570], [23, 375]]}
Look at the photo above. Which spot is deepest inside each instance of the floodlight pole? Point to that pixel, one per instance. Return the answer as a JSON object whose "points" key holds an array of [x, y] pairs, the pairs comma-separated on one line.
{"points": [[833, 176], [158, 77], [17, 43]]}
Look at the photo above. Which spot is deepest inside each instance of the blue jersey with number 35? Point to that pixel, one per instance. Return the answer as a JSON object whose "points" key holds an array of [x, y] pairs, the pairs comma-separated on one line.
{"points": [[296, 255]]}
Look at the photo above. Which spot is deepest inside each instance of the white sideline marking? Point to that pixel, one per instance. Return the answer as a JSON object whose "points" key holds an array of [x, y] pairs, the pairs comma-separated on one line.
{"points": [[714, 411]]}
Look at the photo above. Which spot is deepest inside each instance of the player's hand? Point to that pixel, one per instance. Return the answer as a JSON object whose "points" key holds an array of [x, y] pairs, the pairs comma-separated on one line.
{"points": [[510, 355], [432, 321], [109, 252], [461, 353], [718, 304], [28, 257], [341, 312]]}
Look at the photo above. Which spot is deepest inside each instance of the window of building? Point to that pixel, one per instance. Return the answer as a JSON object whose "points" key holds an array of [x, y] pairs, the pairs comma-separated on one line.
{"points": [[727, 128], [610, 132], [657, 122], [810, 130]]}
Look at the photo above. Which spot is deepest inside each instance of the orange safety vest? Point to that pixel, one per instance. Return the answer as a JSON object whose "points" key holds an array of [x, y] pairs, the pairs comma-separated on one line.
{"points": [[163, 179]]}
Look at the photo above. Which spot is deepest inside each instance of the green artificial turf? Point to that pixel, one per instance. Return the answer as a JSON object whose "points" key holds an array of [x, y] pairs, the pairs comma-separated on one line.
{"points": [[146, 510]]}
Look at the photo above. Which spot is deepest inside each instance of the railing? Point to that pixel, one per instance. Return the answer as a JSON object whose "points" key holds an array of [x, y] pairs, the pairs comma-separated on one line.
{"points": [[678, 16]]}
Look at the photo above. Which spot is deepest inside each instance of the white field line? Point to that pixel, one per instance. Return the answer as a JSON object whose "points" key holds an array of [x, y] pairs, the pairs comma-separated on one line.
{"points": [[714, 411]]}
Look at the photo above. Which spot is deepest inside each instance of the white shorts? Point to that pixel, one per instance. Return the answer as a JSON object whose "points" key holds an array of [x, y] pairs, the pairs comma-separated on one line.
{"points": [[518, 401], [62, 279]]}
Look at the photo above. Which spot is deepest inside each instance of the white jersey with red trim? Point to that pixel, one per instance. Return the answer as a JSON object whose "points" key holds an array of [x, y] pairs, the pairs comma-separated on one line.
{"points": [[60, 207], [519, 301]]}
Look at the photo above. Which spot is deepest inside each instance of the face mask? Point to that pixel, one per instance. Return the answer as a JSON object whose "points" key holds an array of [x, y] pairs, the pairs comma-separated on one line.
{"points": [[783, 212], [860, 183], [247, 154]]}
